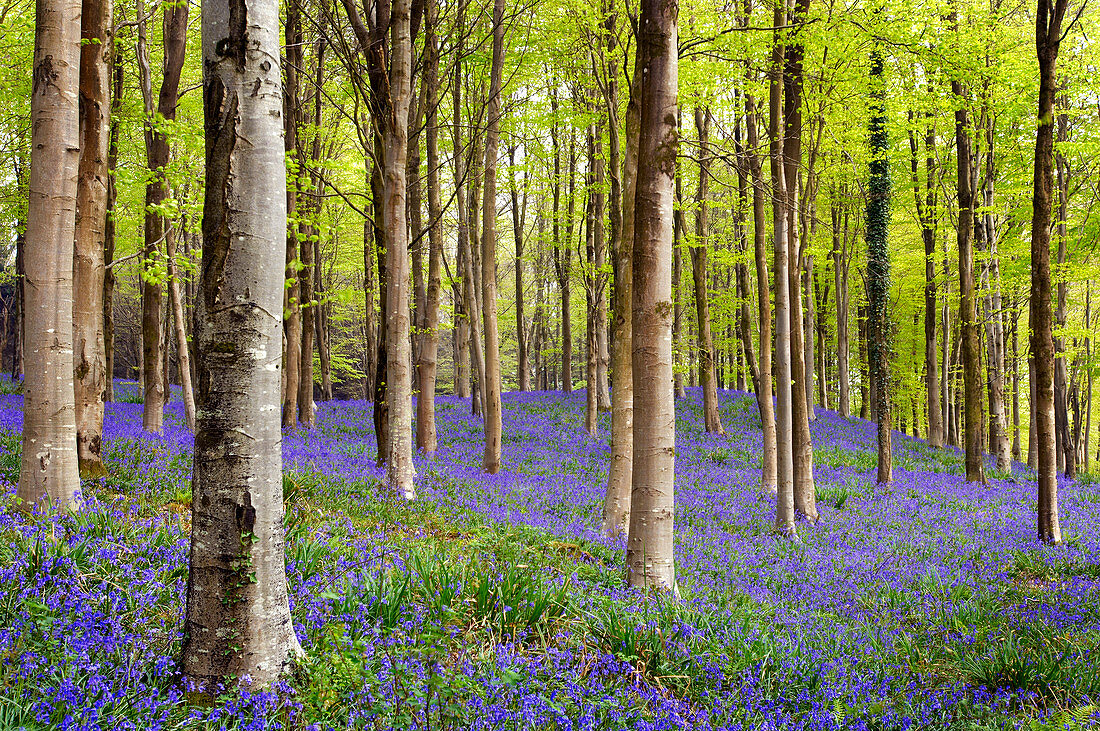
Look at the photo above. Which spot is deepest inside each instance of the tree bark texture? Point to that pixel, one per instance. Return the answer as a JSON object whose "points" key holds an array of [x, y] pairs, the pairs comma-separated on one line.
{"points": [[89, 266], [711, 420], [649, 551], [238, 616], [49, 469], [491, 405], [1048, 33]]}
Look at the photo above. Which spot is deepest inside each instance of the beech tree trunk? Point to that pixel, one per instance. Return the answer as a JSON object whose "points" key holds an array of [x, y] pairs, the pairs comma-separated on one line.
{"points": [[763, 385], [174, 31], [925, 213], [784, 504], [649, 551], [426, 438], [1048, 34], [616, 504], [563, 250], [968, 324], [461, 313], [805, 501], [840, 281], [179, 323], [523, 361], [49, 468], [711, 419], [391, 93], [108, 236], [292, 320], [238, 616], [309, 247], [491, 405], [89, 357]]}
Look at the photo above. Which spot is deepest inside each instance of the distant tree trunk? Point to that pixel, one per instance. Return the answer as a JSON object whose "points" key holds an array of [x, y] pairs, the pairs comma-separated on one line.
{"points": [[108, 235], [1048, 36], [809, 329], [324, 354], [616, 505], [649, 551], [599, 279], [89, 361], [523, 361], [309, 250], [491, 405], [840, 280], [461, 314], [179, 323], [391, 93], [711, 419], [925, 212], [156, 192], [589, 278], [426, 438], [292, 317], [677, 285], [762, 385], [784, 507], [562, 252], [803, 452], [472, 289], [968, 325], [1063, 437], [1016, 454], [864, 377], [878, 266], [49, 469]]}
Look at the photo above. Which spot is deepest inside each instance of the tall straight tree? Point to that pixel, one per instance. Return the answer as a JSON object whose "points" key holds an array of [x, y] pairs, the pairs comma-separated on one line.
{"points": [[491, 406], [49, 469], [157, 151], [968, 317], [926, 205], [523, 358], [426, 438], [1048, 36], [712, 421], [878, 266], [292, 317], [784, 436], [649, 546], [616, 505], [391, 93], [805, 500], [238, 615], [89, 350]]}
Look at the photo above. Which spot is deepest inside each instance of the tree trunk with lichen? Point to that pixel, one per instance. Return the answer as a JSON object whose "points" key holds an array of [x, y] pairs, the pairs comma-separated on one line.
{"points": [[89, 266], [238, 620]]}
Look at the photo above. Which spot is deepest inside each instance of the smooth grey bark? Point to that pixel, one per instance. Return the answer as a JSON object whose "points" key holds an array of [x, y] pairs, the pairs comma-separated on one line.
{"points": [[426, 437], [1048, 35], [784, 507], [238, 620], [49, 470], [89, 267], [491, 403], [616, 506], [712, 421], [649, 548]]}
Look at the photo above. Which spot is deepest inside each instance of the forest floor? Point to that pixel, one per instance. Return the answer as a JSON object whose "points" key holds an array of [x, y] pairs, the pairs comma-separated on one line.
{"points": [[494, 603]]}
